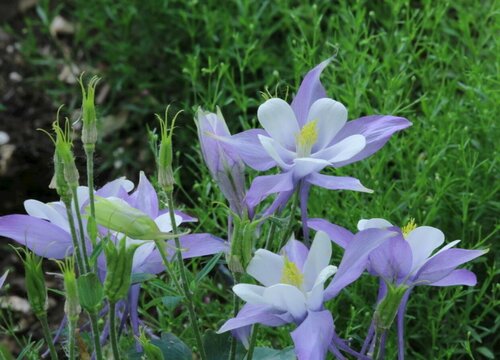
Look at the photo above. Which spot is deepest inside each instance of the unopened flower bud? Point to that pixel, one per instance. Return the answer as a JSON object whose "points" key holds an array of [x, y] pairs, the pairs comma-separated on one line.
{"points": [[165, 153], [115, 214], [90, 292], [64, 153], [58, 182], [119, 259], [35, 283], [387, 309], [89, 129], [72, 307], [242, 240]]}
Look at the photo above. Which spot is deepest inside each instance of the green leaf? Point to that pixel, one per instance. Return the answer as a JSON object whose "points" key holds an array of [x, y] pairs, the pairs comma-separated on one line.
{"points": [[171, 301], [172, 347], [217, 346], [142, 277], [272, 354], [5, 354], [208, 267], [486, 352]]}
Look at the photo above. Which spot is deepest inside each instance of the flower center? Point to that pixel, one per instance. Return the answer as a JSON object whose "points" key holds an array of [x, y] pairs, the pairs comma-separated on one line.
{"points": [[306, 138], [291, 274], [408, 228]]}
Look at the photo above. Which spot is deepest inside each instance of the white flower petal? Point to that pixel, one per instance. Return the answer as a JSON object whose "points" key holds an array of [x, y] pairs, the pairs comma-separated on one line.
{"points": [[375, 223], [252, 294], [164, 223], [278, 119], [282, 156], [286, 298], [315, 296], [331, 116], [423, 241], [266, 267], [40, 210], [343, 150], [317, 259], [142, 252], [306, 166]]}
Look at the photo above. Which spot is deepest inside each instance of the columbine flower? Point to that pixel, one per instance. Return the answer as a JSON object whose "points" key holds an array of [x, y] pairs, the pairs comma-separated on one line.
{"points": [[304, 138], [222, 159], [408, 259], [3, 278], [293, 290]]}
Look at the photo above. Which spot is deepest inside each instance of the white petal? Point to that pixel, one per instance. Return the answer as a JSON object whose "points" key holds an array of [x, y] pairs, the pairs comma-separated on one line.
{"points": [[142, 252], [306, 166], [343, 150], [375, 223], [315, 296], [282, 156], [278, 119], [423, 241], [286, 298], [82, 193], [331, 116], [164, 223], [317, 259], [40, 210], [266, 267], [252, 294]]}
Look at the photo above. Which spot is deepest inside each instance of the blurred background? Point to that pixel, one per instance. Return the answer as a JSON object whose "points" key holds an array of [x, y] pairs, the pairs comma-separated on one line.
{"points": [[435, 63]]}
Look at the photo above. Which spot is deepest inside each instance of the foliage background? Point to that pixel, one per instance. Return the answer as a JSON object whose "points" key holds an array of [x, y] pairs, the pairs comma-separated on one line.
{"points": [[435, 63]]}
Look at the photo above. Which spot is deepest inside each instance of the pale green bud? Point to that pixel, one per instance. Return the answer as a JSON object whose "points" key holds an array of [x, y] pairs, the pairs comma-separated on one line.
{"points": [[89, 129], [72, 307], [35, 283], [165, 152], [64, 153], [242, 241], [387, 309], [90, 292]]}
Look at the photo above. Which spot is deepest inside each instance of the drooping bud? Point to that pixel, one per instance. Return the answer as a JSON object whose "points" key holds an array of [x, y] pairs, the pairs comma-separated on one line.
{"points": [[72, 307], [117, 215], [90, 292], [119, 259], [387, 309], [225, 166], [165, 152], [242, 241], [89, 129], [35, 283], [151, 351]]}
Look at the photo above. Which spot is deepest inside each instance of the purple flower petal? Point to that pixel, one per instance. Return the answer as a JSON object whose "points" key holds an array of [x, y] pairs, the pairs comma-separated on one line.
{"points": [[144, 198], [457, 277], [263, 186], [337, 182], [313, 336], [195, 245], [251, 150], [309, 91], [296, 252], [339, 235], [441, 265], [278, 203], [253, 314], [392, 260], [41, 237], [377, 129], [355, 258]]}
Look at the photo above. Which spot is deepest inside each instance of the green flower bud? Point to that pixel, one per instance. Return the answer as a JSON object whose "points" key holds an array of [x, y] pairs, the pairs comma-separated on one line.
{"points": [[90, 292], [64, 153], [387, 309], [165, 152], [242, 240], [89, 130], [58, 182], [115, 214], [72, 307], [35, 283], [119, 259], [151, 352]]}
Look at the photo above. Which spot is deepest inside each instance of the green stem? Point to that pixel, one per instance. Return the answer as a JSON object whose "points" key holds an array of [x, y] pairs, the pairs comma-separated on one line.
{"points": [[184, 280], [289, 226], [95, 335], [376, 351], [48, 337], [253, 341], [82, 231], [112, 330], [71, 338], [89, 152], [74, 238], [160, 245]]}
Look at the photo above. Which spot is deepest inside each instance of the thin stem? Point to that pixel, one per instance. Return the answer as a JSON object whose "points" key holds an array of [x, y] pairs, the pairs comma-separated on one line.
{"points": [[184, 279], [95, 335], [377, 349], [112, 330], [48, 338], [253, 341], [74, 238], [71, 338], [89, 152], [82, 231], [289, 226], [236, 307], [160, 245]]}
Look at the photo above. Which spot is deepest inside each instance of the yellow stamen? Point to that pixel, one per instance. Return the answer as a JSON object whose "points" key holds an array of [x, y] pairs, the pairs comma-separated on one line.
{"points": [[408, 228], [291, 274], [307, 137]]}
